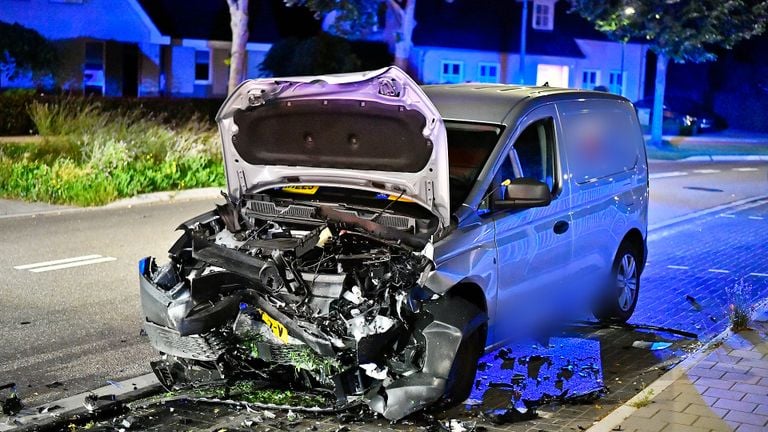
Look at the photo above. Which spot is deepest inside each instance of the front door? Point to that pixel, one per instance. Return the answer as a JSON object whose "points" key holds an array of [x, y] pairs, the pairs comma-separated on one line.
{"points": [[535, 245]]}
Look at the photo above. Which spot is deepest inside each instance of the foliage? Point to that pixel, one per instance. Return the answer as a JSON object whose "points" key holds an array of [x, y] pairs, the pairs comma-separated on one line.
{"points": [[351, 18], [317, 55], [92, 156], [15, 109], [684, 31], [23, 49], [740, 305], [249, 391], [644, 400]]}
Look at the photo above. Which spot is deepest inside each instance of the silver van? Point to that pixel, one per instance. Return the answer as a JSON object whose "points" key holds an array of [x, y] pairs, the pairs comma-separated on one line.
{"points": [[378, 236]]}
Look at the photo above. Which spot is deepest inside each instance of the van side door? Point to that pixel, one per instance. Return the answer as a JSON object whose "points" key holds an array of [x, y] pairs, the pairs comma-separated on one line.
{"points": [[608, 190], [534, 245]]}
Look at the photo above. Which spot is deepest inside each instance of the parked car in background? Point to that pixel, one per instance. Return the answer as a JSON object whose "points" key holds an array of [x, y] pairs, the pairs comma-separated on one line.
{"points": [[379, 236], [682, 116]]}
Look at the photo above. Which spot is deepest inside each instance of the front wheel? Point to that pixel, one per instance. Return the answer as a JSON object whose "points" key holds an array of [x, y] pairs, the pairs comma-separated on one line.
{"points": [[620, 298]]}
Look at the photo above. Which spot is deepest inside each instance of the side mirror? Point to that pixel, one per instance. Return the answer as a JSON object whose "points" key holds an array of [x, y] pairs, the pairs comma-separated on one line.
{"points": [[524, 193]]}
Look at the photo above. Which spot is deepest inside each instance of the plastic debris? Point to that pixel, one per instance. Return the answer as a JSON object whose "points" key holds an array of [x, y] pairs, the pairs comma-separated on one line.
{"points": [[12, 404], [55, 384], [509, 415], [92, 402], [268, 414], [115, 384], [47, 409], [249, 422], [696, 305], [472, 402], [652, 346], [128, 422], [455, 425], [292, 416]]}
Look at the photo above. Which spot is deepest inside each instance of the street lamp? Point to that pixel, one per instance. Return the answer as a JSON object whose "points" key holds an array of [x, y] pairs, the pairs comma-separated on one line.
{"points": [[628, 11], [523, 33]]}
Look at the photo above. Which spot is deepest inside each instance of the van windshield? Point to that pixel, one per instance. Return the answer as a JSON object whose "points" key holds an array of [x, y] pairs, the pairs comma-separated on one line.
{"points": [[469, 146]]}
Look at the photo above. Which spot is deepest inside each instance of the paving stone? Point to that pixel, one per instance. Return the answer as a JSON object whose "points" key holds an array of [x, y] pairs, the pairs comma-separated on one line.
{"points": [[713, 383], [706, 373], [644, 424], [749, 428], [712, 423], [705, 411], [675, 405], [748, 418], [673, 416], [748, 354], [727, 394], [758, 399], [735, 405], [727, 367], [683, 428], [745, 378], [647, 411], [761, 409], [749, 388]]}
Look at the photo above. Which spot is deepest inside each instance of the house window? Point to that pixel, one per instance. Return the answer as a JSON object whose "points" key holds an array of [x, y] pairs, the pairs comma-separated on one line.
{"points": [[543, 15], [93, 69], [616, 82], [451, 72], [202, 66], [589, 79], [488, 72]]}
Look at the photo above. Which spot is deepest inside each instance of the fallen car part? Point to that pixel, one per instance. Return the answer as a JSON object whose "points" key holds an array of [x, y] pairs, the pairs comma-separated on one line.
{"points": [[11, 404]]}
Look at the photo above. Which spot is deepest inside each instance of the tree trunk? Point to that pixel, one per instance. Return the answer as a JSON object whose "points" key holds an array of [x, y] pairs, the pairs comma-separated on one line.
{"points": [[657, 116], [238, 14], [404, 37]]}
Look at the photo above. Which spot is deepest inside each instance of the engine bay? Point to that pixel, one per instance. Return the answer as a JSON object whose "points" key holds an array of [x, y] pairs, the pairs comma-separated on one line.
{"points": [[317, 296]]}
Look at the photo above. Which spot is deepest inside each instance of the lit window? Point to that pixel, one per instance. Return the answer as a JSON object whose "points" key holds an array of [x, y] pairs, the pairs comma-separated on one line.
{"points": [[616, 82], [488, 72], [589, 79], [202, 66], [543, 15], [451, 72]]}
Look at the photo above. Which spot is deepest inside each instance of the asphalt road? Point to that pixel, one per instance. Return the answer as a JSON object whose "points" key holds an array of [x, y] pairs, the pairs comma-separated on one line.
{"points": [[70, 329]]}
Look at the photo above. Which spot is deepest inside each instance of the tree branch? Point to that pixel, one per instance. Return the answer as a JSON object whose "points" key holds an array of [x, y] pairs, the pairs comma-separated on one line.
{"points": [[395, 7]]}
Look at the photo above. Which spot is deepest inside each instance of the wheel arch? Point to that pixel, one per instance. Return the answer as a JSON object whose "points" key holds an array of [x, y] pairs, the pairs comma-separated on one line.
{"points": [[635, 238], [474, 294]]}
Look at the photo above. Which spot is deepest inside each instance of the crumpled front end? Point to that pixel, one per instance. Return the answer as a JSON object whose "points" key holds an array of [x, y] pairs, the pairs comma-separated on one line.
{"points": [[314, 296]]}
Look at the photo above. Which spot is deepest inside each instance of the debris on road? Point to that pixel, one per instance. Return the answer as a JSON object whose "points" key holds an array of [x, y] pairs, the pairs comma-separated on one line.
{"points": [[652, 346], [696, 305], [509, 415], [12, 404]]}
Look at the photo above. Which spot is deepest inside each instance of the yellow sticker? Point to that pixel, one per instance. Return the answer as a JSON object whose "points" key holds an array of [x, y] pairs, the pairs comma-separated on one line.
{"points": [[402, 199], [306, 190], [278, 329]]}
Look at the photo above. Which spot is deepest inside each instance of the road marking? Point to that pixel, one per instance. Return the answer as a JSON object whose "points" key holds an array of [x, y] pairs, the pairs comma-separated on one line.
{"points": [[745, 169], [667, 174], [718, 271], [678, 267], [755, 217], [59, 261], [759, 274], [727, 215], [64, 263], [706, 171]]}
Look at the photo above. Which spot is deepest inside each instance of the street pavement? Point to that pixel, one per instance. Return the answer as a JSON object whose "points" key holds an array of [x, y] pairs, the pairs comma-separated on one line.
{"points": [[71, 329]]}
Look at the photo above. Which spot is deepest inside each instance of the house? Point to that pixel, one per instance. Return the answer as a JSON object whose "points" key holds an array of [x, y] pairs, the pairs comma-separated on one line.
{"points": [[147, 47], [181, 47], [479, 41]]}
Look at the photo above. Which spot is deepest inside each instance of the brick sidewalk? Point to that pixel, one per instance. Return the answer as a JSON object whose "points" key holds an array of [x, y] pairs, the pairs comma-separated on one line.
{"points": [[726, 391]]}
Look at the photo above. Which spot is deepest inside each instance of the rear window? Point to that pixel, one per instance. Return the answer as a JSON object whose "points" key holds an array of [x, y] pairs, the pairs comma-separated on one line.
{"points": [[600, 143]]}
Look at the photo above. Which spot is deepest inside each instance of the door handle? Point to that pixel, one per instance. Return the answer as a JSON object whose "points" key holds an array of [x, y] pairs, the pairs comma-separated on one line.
{"points": [[560, 227]]}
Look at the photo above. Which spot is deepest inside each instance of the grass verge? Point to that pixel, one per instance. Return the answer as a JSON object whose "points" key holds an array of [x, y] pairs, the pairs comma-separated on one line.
{"points": [[89, 156], [671, 151]]}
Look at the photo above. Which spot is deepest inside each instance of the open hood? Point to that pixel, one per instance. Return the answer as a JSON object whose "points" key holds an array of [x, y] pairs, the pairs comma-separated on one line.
{"points": [[374, 131]]}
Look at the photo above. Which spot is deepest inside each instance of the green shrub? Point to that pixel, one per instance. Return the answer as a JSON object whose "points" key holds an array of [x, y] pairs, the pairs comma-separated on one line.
{"points": [[91, 156], [14, 119]]}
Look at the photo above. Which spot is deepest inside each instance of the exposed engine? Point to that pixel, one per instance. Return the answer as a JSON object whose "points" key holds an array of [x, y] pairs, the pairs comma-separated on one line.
{"points": [[319, 296]]}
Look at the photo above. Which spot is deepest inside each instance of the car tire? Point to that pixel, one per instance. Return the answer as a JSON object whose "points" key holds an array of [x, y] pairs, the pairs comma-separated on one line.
{"points": [[620, 297], [462, 375]]}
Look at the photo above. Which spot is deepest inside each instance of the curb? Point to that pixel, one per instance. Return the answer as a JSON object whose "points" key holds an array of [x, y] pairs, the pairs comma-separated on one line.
{"points": [[143, 199], [723, 158], [616, 417]]}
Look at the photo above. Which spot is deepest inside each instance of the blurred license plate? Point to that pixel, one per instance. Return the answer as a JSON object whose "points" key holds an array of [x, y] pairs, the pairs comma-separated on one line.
{"points": [[278, 329]]}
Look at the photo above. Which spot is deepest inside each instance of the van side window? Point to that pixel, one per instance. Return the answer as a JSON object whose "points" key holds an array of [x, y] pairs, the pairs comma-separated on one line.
{"points": [[535, 149]]}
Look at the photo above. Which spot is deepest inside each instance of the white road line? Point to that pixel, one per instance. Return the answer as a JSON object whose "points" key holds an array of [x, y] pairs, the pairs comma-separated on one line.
{"points": [[727, 215], [718, 271], [759, 274], [59, 261], [755, 217], [667, 174], [73, 264], [706, 171], [678, 267], [745, 169]]}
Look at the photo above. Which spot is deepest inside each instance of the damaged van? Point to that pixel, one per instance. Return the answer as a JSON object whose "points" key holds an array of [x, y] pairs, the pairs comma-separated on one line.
{"points": [[378, 236]]}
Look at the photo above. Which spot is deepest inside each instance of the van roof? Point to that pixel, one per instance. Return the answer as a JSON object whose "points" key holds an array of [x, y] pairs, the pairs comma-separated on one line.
{"points": [[492, 103]]}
